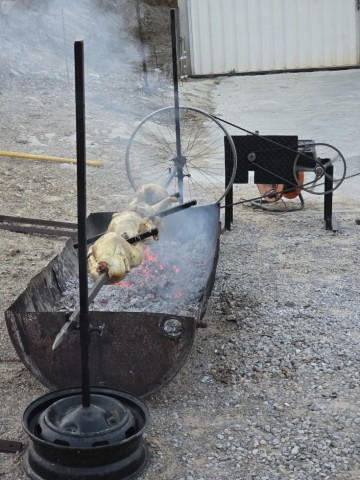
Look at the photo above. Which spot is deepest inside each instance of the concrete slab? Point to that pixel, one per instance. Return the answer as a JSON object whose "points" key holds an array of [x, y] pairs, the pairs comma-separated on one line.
{"points": [[322, 105]]}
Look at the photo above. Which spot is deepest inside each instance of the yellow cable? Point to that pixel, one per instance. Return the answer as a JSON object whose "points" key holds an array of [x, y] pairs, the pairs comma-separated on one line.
{"points": [[94, 163]]}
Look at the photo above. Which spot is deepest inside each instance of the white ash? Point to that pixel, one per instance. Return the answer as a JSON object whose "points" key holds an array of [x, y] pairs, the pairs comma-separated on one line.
{"points": [[171, 279]]}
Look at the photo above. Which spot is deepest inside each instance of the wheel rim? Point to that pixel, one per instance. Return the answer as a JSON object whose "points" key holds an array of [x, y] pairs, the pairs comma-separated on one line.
{"points": [[151, 154], [315, 172]]}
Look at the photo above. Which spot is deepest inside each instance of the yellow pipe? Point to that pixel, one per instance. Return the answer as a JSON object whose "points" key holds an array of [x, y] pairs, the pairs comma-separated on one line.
{"points": [[95, 163]]}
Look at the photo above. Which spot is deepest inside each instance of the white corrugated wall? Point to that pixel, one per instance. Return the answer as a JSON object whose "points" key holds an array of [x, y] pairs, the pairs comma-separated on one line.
{"points": [[260, 35]]}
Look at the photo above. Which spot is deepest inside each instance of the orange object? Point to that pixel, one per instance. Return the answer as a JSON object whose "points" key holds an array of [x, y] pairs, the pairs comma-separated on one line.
{"points": [[297, 190], [271, 193]]}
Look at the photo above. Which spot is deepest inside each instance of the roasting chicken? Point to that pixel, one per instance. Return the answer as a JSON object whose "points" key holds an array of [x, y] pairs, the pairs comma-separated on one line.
{"points": [[111, 253], [151, 199], [130, 223]]}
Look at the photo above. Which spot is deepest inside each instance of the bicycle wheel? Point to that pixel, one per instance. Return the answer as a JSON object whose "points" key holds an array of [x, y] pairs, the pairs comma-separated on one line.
{"points": [[198, 172], [314, 161]]}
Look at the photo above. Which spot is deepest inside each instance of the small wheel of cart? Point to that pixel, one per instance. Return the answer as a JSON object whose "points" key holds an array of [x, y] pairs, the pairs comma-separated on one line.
{"points": [[186, 156]]}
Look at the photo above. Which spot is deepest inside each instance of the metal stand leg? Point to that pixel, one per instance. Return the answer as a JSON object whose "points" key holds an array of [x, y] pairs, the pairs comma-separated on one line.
{"points": [[329, 225], [229, 215]]}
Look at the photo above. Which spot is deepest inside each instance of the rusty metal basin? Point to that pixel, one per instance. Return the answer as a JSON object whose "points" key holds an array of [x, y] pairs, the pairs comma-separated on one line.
{"points": [[136, 353]]}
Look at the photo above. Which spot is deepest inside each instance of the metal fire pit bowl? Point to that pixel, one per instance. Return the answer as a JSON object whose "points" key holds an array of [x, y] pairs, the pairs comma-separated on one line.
{"points": [[138, 352]]}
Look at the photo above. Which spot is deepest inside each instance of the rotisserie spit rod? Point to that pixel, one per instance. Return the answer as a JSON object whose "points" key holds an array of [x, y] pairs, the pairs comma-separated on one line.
{"points": [[164, 213], [171, 210], [71, 324], [136, 238]]}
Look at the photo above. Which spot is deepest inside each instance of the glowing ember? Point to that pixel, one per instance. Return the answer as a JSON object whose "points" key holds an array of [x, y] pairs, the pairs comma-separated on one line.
{"points": [[158, 284], [152, 272], [125, 284], [172, 278], [150, 257]]}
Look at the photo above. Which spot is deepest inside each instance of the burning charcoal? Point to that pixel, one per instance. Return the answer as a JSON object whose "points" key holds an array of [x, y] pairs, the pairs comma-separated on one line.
{"points": [[172, 276]]}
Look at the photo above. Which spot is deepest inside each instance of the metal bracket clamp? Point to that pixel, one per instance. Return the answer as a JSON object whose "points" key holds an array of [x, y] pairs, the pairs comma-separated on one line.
{"points": [[100, 329]]}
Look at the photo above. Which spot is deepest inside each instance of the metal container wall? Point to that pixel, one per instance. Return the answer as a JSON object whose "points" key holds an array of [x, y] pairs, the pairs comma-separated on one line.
{"points": [[139, 351], [269, 35]]}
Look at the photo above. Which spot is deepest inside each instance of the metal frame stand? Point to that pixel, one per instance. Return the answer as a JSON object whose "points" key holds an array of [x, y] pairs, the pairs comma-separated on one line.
{"points": [[255, 155]]}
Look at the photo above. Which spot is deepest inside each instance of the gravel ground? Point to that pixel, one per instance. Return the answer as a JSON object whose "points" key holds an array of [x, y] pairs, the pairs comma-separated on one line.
{"points": [[271, 388]]}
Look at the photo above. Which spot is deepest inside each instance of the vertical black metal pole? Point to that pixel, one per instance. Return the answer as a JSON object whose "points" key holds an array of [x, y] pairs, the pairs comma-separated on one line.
{"points": [[142, 46], [81, 197], [179, 158], [328, 187]]}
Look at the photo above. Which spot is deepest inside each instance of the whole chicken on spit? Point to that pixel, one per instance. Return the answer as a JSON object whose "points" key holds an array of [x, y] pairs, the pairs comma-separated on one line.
{"points": [[112, 253]]}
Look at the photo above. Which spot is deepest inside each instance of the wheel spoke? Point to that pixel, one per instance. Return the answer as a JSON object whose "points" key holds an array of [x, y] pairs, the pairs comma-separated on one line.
{"points": [[152, 157]]}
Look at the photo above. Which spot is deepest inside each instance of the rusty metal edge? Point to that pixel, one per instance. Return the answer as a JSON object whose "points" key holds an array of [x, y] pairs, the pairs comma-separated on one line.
{"points": [[37, 226], [37, 221], [36, 230], [10, 446]]}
